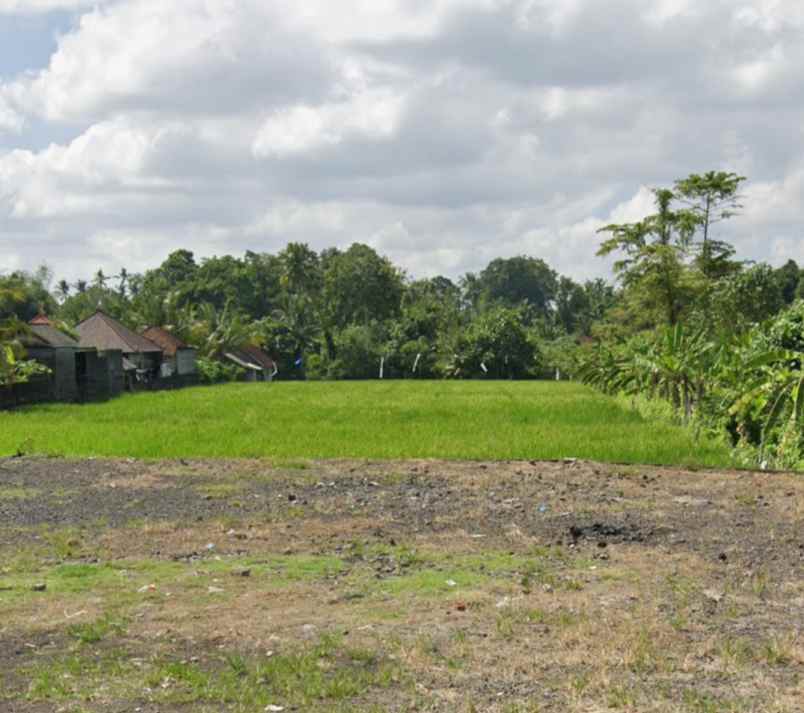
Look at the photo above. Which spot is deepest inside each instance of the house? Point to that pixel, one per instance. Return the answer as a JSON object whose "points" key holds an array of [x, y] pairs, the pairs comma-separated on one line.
{"points": [[142, 359], [178, 358], [258, 365], [76, 373]]}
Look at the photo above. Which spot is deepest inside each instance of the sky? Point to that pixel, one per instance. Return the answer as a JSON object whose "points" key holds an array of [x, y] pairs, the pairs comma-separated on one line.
{"points": [[443, 133]]}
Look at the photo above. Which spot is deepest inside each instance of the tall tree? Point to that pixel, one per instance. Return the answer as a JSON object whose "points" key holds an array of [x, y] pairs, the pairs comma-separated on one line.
{"points": [[653, 268], [788, 277], [515, 281], [713, 197], [361, 286], [63, 289]]}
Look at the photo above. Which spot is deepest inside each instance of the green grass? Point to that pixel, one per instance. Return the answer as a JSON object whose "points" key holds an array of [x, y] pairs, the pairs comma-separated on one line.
{"points": [[374, 420]]}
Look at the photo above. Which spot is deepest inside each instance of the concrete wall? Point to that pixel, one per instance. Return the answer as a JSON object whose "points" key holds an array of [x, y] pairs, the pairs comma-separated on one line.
{"points": [[62, 381], [117, 378], [186, 362]]}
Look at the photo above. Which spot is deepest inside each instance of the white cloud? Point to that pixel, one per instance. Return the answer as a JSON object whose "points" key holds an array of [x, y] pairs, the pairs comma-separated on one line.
{"points": [[10, 120], [373, 115], [26, 7], [445, 133]]}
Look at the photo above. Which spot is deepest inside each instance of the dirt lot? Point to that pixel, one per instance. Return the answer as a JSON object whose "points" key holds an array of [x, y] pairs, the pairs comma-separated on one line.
{"points": [[415, 586]]}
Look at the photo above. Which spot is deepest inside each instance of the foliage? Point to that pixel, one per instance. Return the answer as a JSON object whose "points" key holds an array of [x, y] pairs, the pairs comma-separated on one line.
{"points": [[23, 295], [654, 251], [359, 349], [14, 368], [743, 299], [359, 287], [212, 371], [712, 197], [514, 282], [495, 345]]}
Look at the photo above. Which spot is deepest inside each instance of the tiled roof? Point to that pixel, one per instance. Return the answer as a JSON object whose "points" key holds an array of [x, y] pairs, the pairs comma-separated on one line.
{"points": [[52, 336], [168, 342], [251, 357], [258, 356], [104, 333]]}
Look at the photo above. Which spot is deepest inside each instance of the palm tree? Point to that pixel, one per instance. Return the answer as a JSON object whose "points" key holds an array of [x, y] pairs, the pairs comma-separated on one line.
{"points": [[122, 285], [297, 314], [63, 289]]}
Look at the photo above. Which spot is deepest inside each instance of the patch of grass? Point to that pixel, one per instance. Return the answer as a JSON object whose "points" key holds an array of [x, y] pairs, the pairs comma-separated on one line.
{"points": [[9, 493], [697, 702], [319, 677], [383, 420], [95, 631], [220, 491]]}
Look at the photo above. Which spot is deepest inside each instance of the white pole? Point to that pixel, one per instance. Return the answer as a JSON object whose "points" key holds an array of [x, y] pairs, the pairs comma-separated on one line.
{"points": [[416, 363], [382, 367]]}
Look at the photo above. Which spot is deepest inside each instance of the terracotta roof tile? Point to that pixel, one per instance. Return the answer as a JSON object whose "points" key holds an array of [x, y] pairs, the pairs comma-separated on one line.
{"points": [[168, 342]]}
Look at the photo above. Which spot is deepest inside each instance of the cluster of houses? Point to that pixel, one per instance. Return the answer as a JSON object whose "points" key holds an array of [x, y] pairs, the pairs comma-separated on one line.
{"points": [[108, 358]]}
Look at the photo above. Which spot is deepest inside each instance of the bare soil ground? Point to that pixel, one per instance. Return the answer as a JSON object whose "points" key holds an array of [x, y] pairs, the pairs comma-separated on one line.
{"points": [[382, 586]]}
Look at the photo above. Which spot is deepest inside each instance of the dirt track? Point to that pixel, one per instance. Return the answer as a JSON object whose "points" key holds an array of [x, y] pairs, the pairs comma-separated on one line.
{"points": [[739, 537]]}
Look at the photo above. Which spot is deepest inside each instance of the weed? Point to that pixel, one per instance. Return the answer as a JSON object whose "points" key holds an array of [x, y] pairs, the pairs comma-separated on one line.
{"points": [[778, 652], [95, 631]]}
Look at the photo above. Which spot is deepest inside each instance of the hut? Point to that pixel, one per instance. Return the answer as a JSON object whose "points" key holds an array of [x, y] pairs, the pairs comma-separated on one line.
{"points": [[178, 359], [142, 359], [258, 365], [76, 373]]}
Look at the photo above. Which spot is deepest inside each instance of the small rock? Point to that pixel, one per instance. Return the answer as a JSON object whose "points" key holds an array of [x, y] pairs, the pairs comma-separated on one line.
{"points": [[40, 587], [244, 573], [713, 595], [274, 709], [291, 498], [452, 583], [723, 557], [215, 590]]}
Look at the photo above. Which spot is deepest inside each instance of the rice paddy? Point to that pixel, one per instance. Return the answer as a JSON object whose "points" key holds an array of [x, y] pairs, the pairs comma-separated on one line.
{"points": [[472, 420]]}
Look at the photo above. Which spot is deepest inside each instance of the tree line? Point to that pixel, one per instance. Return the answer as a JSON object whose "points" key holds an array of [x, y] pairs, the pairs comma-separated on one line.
{"points": [[339, 314]]}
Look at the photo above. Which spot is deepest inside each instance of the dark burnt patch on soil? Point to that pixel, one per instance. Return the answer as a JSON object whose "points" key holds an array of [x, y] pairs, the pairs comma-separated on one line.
{"points": [[747, 518]]}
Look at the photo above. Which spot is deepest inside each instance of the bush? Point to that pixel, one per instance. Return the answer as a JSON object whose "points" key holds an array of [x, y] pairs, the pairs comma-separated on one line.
{"points": [[496, 340], [212, 371]]}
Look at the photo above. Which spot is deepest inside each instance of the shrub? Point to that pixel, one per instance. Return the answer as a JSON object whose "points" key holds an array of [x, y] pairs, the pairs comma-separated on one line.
{"points": [[212, 371]]}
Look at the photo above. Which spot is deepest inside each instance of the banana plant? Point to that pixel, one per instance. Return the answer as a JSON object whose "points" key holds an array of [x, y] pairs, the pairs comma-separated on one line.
{"points": [[14, 368], [775, 394]]}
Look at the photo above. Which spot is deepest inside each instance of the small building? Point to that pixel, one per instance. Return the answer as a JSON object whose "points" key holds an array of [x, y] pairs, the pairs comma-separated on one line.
{"points": [[258, 365], [142, 359], [59, 353], [76, 373], [178, 358]]}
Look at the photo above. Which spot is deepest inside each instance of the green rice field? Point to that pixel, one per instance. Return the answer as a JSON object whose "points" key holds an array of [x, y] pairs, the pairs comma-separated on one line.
{"points": [[364, 420]]}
